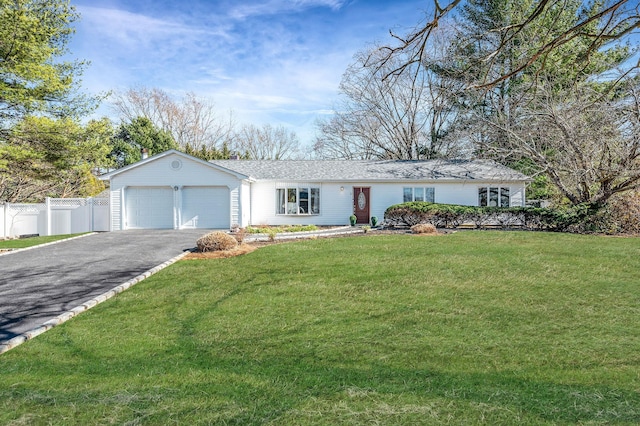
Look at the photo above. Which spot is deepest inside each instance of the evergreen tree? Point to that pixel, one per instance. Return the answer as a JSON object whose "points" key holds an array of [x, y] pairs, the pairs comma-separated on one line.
{"points": [[33, 35], [131, 138]]}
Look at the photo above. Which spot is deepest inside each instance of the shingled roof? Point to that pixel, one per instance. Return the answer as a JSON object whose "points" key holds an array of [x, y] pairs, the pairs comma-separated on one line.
{"points": [[369, 170]]}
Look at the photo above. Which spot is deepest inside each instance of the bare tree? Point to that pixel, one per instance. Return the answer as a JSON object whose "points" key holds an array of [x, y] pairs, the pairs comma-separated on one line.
{"points": [[600, 23], [404, 118], [266, 142], [586, 143], [191, 120]]}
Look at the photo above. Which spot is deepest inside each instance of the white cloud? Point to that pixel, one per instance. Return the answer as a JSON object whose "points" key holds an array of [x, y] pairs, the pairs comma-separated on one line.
{"points": [[137, 31], [273, 7]]}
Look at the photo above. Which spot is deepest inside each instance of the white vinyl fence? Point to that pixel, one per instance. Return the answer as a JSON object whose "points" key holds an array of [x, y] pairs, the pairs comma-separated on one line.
{"points": [[56, 216]]}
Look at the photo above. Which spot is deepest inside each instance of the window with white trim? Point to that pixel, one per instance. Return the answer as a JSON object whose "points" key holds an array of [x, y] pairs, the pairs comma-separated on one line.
{"points": [[298, 200], [419, 194], [493, 196]]}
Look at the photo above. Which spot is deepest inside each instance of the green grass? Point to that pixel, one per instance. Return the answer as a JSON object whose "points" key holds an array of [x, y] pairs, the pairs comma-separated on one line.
{"points": [[33, 241], [469, 328]]}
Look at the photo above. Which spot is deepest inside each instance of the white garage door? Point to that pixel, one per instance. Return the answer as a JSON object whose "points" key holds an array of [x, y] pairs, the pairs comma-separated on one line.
{"points": [[205, 207], [149, 208]]}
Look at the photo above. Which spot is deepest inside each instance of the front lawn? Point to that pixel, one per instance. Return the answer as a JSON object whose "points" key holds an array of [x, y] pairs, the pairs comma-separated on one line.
{"points": [[467, 328]]}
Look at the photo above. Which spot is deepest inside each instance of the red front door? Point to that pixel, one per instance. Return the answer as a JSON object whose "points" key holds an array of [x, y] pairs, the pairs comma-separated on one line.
{"points": [[361, 204]]}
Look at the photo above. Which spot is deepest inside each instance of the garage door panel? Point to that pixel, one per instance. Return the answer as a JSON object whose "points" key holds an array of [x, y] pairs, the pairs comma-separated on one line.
{"points": [[149, 208], [205, 207]]}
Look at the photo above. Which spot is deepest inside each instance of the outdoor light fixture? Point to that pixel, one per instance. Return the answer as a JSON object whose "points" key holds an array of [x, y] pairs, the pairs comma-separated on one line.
{"points": [[342, 188]]}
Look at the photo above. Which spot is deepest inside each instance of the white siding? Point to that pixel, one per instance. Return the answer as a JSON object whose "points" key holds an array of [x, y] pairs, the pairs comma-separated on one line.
{"points": [[172, 171], [245, 205], [235, 205], [115, 209], [336, 205]]}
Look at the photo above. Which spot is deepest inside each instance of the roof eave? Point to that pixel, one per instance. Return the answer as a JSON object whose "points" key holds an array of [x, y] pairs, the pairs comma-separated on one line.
{"points": [[108, 176]]}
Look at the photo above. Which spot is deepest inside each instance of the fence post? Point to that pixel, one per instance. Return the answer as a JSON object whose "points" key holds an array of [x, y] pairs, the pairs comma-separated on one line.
{"points": [[91, 207], [47, 203]]}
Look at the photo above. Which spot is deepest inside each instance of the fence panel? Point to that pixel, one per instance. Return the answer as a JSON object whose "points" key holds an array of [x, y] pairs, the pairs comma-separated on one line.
{"points": [[101, 214], [24, 219], [57, 216]]}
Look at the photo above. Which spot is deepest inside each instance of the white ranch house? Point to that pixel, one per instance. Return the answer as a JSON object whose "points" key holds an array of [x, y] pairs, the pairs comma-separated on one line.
{"points": [[176, 190]]}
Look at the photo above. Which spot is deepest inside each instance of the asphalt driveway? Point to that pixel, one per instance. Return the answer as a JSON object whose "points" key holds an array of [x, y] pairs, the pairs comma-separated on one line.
{"points": [[39, 284]]}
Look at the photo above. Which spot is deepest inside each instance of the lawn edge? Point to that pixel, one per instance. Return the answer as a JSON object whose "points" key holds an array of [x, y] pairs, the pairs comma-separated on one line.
{"points": [[66, 316], [11, 251]]}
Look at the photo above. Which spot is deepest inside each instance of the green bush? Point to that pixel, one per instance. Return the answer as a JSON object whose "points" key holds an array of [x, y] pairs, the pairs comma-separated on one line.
{"points": [[579, 219]]}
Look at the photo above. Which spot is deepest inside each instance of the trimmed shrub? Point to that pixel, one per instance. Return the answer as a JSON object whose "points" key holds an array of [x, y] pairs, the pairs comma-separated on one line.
{"points": [[216, 241], [424, 228], [580, 219]]}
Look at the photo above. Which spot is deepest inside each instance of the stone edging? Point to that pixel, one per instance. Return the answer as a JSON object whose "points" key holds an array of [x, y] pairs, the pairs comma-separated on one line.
{"points": [[18, 250], [66, 316]]}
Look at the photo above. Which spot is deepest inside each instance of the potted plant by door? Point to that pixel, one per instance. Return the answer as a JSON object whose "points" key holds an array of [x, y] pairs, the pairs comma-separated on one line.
{"points": [[352, 220]]}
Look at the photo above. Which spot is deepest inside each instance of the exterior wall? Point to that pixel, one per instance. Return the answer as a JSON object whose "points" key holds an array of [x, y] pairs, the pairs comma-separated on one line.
{"points": [[115, 209], [172, 171], [245, 205], [336, 204]]}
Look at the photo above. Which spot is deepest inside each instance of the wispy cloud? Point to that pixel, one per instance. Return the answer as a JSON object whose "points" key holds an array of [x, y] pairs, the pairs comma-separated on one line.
{"points": [[273, 7], [138, 31]]}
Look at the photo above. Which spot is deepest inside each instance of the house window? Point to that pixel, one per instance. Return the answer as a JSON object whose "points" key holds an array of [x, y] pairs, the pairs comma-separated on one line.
{"points": [[419, 194], [494, 197], [297, 201]]}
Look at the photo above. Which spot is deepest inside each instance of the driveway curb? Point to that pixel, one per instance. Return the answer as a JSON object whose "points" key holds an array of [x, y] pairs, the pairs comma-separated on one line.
{"points": [[18, 340]]}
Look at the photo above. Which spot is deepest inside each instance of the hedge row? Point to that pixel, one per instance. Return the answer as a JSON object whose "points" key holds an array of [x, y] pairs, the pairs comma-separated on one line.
{"points": [[453, 216]]}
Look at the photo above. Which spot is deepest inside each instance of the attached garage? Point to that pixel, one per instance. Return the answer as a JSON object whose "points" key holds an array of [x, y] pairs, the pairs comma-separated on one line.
{"points": [[205, 207], [148, 208], [173, 190]]}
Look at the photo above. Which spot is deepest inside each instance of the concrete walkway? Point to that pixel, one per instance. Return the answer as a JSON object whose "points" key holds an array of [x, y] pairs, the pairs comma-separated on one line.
{"points": [[39, 284]]}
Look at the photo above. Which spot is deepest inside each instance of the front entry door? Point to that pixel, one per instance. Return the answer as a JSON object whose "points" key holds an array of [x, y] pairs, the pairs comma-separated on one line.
{"points": [[361, 204]]}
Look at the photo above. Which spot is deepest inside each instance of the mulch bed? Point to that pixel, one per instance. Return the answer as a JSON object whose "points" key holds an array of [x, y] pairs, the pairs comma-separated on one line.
{"points": [[246, 248]]}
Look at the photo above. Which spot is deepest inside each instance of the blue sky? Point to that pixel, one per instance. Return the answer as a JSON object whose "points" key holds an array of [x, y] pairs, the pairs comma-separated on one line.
{"points": [[268, 61]]}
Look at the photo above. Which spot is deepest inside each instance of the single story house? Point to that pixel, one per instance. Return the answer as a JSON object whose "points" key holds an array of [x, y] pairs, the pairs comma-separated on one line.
{"points": [[176, 190]]}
